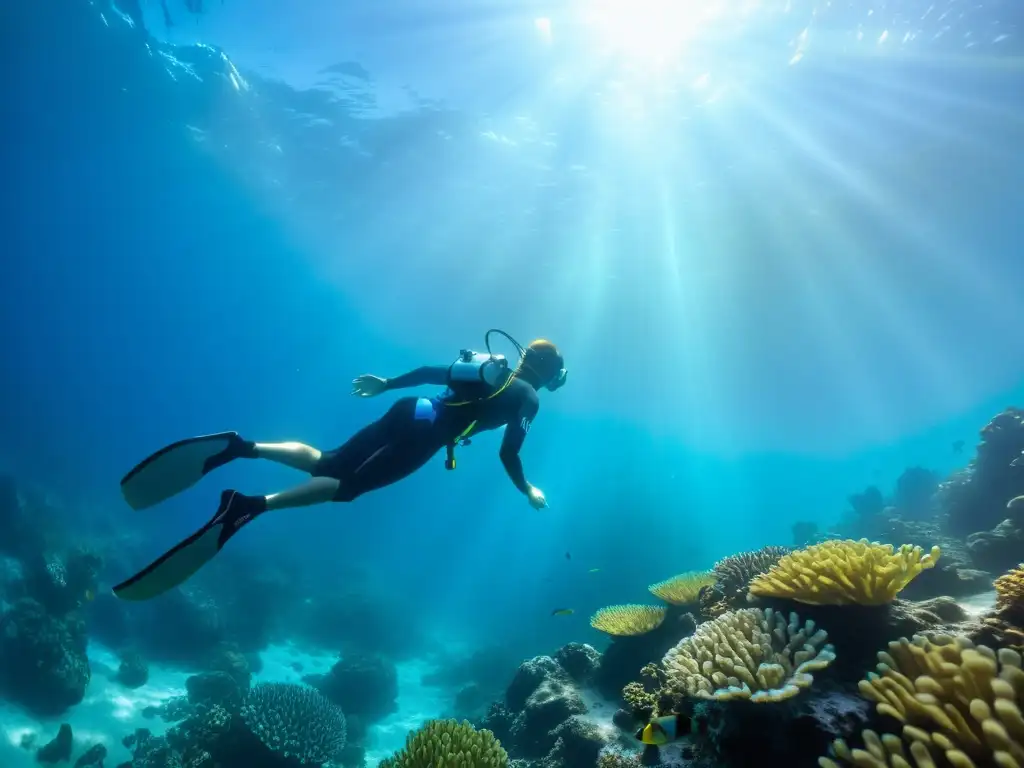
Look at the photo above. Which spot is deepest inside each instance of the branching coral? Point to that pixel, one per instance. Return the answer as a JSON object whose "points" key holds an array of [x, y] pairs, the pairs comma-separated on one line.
{"points": [[734, 573], [1007, 621], [616, 758], [449, 744], [748, 654], [624, 620], [844, 572], [959, 705], [683, 589], [1010, 588], [712, 603], [645, 700], [295, 721]]}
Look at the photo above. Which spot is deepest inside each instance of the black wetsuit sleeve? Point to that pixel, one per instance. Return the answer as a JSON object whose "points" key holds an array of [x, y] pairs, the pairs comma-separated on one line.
{"points": [[428, 374], [515, 434]]}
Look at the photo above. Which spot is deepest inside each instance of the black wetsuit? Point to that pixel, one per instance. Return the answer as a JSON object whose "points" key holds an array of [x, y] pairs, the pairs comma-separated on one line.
{"points": [[415, 429]]}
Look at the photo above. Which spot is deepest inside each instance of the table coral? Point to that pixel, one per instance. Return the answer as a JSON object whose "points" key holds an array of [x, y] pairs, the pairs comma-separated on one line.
{"points": [[844, 572], [683, 589], [628, 620]]}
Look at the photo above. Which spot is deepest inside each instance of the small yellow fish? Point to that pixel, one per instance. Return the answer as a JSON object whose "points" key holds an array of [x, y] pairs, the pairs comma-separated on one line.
{"points": [[562, 612], [89, 595], [665, 730]]}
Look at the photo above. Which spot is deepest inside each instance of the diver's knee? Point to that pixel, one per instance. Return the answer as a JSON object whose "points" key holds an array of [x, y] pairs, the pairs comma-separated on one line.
{"points": [[323, 466], [345, 493]]}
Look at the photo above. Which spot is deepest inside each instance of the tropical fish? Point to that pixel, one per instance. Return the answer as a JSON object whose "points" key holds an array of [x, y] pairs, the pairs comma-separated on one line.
{"points": [[593, 570], [958, 446], [562, 612], [665, 730], [568, 556], [1018, 462]]}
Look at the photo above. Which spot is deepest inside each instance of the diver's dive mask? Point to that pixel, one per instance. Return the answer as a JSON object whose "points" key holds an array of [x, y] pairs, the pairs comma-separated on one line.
{"points": [[558, 382]]}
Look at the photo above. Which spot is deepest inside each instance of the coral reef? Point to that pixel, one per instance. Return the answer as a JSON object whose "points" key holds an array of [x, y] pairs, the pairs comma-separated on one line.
{"points": [[579, 660], [793, 732], [132, 671], [684, 588], [804, 532], [867, 510], [957, 702], [628, 620], [975, 498], [624, 656], [955, 575], [356, 622], [1010, 588], [914, 491], [295, 721], [747, 654], [999, 549], [362, 685], [43, 664], [58, 749], [844, 572], [544, 718], [578, 743], [553, 701], [449, 744], [489, 668], [1006, 622]]}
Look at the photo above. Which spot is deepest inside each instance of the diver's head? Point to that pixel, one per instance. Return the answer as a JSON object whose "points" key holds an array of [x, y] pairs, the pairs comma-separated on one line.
{"points": [[543, 365]]}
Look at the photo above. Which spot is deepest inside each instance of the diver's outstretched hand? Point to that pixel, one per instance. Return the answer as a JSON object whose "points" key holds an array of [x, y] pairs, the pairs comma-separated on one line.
{"points": [[368, 385], [536, 497]]}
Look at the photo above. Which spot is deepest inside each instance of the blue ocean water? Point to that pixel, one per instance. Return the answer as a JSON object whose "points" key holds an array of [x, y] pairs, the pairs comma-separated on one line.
{"points": [[777, 242]]}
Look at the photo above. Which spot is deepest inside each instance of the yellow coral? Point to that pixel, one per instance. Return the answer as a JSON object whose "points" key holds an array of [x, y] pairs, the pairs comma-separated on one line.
{"points": [[1010, 588], [843, 572], [748, 654], [683, 589], [959, 705], [449, 744], [623, 620]]}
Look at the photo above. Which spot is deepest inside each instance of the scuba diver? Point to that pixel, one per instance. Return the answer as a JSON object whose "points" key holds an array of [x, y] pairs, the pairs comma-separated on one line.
{"points": [[482, 393]]}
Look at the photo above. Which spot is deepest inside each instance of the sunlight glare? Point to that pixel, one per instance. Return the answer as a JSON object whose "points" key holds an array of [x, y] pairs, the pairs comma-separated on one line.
{"points": [[543, 27], [657, 30]]}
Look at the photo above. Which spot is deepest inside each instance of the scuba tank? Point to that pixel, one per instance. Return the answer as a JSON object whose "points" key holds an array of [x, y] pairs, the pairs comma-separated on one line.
{"points": [[484, 368], [485, 375]]}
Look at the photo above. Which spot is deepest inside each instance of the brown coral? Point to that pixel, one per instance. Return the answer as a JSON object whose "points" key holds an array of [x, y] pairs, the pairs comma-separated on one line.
{"points": [[959, 705], [844, 572], [712, 603], [683, 589], [627, 620], [734, 573]]}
